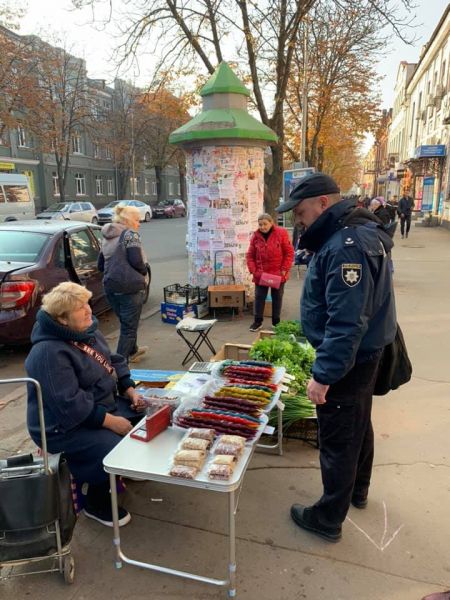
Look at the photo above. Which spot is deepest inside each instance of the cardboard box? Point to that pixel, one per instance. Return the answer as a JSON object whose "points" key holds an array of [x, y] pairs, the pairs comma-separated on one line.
{"points": [[232, 352], [268, 308], [226, 296], [174, 313]]}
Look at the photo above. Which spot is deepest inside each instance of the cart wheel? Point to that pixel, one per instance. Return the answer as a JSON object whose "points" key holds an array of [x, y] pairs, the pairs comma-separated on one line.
{"points": [[69, 569]]}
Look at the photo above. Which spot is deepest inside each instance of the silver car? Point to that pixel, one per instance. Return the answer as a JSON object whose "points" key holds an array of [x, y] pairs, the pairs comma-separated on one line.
{"points": [[105, 214], [75, 211]]}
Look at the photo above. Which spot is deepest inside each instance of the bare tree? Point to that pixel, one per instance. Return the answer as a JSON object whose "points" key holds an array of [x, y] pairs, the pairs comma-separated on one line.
{"points": [[59, 111]]}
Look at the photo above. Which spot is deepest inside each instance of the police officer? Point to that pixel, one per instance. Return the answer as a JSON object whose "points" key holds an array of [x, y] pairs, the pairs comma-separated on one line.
{"points": [[348, 315]]}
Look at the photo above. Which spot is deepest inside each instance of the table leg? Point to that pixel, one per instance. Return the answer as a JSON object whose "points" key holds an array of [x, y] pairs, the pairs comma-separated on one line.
{"points": [[232, 548], [115, 515]]}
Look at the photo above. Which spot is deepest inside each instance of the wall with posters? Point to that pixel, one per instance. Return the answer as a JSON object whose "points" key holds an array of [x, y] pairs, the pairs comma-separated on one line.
{"points": [[226, 193]]}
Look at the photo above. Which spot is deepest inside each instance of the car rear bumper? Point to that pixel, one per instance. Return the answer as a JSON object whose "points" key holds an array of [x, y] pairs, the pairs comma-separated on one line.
{"points": [[16, 325]]}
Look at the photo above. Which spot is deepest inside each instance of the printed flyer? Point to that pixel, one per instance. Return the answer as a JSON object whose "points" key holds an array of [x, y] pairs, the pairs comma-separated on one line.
{"points": [[226, 193]]}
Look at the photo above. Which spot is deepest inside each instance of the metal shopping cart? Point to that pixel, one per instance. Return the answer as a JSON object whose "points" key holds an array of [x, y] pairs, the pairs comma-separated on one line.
{"points": [[36, 510]]}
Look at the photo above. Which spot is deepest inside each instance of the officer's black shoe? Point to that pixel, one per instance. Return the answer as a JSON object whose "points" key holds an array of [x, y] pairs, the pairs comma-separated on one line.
{"points": [[304, 517], [359, 501]]}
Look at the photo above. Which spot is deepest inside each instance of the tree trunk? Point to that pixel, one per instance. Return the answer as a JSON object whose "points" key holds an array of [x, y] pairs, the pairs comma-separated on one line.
{"points": [[182, 176], [158, 177], [273, 180]]}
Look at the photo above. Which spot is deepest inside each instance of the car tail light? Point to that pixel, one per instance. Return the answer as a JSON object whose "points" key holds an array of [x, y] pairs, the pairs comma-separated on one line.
{"points": [[14, 294]]}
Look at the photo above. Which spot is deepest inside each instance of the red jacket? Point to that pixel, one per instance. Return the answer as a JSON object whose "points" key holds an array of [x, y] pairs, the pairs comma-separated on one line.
{"points": [[274, 256]]}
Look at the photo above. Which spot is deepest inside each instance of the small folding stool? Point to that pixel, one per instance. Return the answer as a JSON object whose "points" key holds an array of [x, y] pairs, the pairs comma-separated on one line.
{"points": [[201, 328]]}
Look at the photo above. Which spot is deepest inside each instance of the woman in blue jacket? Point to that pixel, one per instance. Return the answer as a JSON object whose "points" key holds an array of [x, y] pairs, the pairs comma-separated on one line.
{"points": [[80, 380]]}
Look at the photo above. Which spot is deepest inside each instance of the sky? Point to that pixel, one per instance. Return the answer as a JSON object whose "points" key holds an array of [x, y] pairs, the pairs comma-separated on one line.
{"points": [[95, 46]]}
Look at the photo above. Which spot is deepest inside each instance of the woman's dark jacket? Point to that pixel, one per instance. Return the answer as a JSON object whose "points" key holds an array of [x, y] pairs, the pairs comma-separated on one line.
{"points": [[348, 306], [76, 389], [122, 260]]}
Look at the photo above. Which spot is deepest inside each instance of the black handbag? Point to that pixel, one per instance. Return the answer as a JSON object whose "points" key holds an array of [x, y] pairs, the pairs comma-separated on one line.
{"points": [[395, 368]]}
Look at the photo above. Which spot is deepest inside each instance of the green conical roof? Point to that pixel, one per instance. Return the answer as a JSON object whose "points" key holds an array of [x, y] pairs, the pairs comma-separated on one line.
{"points": [[223, 123], [224, 81]]}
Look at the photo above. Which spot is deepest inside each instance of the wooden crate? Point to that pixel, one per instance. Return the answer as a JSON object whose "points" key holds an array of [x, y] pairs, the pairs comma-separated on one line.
{"points": [[265, 333], [232, 352]]}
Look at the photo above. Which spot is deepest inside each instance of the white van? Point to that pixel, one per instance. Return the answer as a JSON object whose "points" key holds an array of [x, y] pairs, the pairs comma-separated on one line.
{"points": [[16, 201]]}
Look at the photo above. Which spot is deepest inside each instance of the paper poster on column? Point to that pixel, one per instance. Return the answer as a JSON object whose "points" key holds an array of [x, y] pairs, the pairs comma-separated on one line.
{"points": [[225, 186]]}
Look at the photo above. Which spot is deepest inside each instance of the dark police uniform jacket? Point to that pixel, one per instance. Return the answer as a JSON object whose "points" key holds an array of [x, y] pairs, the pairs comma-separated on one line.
{"points": [[347, 306]]}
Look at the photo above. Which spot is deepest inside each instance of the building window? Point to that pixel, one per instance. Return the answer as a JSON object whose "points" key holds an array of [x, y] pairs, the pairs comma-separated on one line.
{"points": [[147, 187], [108, 153], [179, 189], [99, 186], [133, 186], [55, 179], [110, 186], [153, 188], [80, 182], [76, 144], [21, 137], [96, 150]]}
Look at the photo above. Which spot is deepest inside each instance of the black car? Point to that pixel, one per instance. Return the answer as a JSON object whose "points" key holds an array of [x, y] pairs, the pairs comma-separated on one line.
{"points": [[34, 257]]}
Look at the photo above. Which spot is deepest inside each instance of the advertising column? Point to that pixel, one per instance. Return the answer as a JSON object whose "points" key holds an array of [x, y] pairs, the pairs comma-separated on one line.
{"points": [[224, 148]]}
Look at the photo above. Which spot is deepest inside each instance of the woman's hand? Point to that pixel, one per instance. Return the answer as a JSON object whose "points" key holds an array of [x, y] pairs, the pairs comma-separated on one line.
{"points": [[119, 425], [137, 400]]}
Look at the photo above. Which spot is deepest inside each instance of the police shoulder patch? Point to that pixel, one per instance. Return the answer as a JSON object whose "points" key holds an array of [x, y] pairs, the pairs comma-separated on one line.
{"points": [[351, 273]]}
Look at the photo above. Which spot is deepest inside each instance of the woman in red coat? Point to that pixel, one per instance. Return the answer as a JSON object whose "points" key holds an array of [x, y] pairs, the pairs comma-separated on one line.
{"points": [[270, 251]]}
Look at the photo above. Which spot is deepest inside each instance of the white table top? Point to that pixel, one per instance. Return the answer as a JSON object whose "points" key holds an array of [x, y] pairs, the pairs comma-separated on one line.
{"points": [[153, 460]]}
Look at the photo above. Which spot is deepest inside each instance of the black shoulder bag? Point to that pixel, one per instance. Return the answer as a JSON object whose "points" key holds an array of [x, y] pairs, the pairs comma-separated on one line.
{"points": [[395, 368]]}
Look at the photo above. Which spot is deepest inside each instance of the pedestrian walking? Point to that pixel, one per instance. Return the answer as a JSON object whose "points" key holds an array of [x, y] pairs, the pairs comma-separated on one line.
{"points": [[270, 253], [123, 263], [348, 315], [404, 210]]}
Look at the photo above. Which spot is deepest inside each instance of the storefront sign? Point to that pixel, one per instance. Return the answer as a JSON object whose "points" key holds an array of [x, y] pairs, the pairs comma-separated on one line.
{"points": [[6, 166], [430, 151]]}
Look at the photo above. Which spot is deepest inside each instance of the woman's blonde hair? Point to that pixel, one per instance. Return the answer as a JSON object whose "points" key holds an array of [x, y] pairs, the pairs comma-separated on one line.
{"points": [[126, 214], [64, 298], [265, 217]]}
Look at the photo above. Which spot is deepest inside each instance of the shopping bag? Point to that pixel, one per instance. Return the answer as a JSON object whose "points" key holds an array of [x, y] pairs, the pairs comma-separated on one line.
{"points": [[395, 368], [269, 280]]}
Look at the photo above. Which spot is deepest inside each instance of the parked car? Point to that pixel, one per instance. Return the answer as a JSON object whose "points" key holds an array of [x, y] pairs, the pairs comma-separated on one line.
{"points": [[75, 211], [105, 214], [170, 209], [37, 255]]}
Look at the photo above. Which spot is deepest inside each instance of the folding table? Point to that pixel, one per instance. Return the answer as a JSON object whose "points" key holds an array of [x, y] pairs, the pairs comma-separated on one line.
{"points": [[202, 329], [152, 461]]}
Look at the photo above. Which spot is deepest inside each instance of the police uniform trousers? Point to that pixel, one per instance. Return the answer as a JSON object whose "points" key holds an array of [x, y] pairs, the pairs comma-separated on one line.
{"points": [[346, 441]]}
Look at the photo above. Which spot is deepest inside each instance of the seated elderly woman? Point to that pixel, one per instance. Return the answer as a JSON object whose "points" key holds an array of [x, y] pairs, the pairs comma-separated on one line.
{"points": [[80, 379]]}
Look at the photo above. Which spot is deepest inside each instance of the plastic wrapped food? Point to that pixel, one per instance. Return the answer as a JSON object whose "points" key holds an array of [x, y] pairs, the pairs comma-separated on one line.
{"points": [[202, 434], [183, 471], [191, 443], [225, 459], [233, 439], [231, 449], [190, 458], [221, 472]]}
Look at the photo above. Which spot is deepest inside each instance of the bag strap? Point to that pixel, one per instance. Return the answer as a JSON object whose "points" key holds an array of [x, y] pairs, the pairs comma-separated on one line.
{"points": [[96, 355]]}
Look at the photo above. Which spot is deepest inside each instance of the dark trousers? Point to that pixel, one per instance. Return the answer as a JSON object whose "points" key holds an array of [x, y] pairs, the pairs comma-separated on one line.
{"points": [[86, 448], [260, 300], [405, 220], [346, 442], [128, 309]]}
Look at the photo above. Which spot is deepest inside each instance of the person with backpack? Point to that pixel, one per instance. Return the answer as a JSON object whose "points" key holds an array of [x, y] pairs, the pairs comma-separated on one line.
{"points": [[123, 264], [348, 315]]}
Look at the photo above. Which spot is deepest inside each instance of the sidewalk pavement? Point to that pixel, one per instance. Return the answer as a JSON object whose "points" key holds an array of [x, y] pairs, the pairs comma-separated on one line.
{"points": [[396, 549]]}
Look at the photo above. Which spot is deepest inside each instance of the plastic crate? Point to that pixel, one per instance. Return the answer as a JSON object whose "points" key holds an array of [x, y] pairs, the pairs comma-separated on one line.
{"points": [[184, 295]]}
